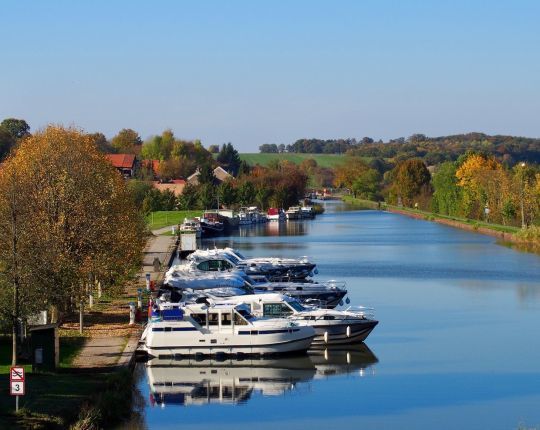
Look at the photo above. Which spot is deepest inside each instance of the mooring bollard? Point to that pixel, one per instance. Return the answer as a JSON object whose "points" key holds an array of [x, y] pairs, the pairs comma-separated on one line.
{"points": [[147, 282], [131, 313]]}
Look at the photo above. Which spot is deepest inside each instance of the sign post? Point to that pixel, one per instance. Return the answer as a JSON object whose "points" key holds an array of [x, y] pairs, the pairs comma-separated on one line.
{"points": [[16, 384]]}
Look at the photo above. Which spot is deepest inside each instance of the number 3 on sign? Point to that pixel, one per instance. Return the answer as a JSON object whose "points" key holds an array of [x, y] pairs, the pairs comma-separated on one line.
{"points": [[17, 388]]}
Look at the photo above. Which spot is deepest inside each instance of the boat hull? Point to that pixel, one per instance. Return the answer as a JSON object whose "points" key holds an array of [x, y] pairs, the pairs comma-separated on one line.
{"points": [[337, 334], [271, 348]]}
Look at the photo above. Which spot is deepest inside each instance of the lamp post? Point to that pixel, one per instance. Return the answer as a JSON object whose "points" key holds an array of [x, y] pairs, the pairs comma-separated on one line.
{"points": [[522, 164]]}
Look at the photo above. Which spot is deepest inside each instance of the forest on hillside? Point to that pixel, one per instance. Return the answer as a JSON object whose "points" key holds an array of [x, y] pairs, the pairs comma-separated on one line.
{"points": [[432, 150]]}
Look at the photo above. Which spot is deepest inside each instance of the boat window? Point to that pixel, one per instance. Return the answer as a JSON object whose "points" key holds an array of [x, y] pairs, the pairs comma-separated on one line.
{"points": [[226, 319], [276, 310], [238, 320], [245, 314], [213, 319], [199, 318], [225, 265], [329, 317], [203, 266]]}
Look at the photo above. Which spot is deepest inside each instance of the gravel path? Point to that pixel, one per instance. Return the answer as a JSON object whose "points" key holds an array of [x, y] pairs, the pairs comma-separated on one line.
{"points": [[100, 352]]}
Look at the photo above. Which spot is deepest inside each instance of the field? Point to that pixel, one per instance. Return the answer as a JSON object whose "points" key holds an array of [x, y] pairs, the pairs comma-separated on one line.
{"points": [[323, 160], [161, 219]]}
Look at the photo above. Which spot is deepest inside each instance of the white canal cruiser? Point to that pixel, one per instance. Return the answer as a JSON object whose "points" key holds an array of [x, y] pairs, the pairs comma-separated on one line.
{"points": [[332, 327], [193, 329]]}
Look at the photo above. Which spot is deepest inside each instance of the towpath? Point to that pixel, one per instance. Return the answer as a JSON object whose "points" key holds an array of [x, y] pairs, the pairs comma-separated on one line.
{"points": [[108, 352]]}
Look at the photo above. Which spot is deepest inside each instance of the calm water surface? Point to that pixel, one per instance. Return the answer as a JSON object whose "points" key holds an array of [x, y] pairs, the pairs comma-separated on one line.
{"points": [[457, 345]]}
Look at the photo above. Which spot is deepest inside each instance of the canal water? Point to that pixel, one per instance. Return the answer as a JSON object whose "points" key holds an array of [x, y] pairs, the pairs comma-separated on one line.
{"points": [[457, 346]]}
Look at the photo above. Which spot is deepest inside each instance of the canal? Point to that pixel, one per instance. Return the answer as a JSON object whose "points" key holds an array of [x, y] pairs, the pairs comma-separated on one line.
{"points": [[457, 345]]}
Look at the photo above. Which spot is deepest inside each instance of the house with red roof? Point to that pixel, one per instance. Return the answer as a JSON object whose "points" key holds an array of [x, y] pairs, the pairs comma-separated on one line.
{"points": [[124, 163]]}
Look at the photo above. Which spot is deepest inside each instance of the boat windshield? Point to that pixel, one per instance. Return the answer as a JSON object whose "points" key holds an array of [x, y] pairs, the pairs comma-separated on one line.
{"points": [[296, 306], [238, 254], [233, 258]]}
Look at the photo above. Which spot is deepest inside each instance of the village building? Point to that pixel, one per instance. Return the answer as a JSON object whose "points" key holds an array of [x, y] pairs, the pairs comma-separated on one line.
{"points": [[124, 163], [220, 174], [176, 186]]}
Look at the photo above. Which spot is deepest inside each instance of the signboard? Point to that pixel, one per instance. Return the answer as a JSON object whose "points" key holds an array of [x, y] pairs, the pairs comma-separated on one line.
{"points": [[16, 374], [16, 381], [16, 388]]}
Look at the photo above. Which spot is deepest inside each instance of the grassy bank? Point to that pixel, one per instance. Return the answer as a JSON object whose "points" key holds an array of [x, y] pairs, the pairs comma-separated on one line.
{"points": [[51, 400], [480, 226], [160, 219]]}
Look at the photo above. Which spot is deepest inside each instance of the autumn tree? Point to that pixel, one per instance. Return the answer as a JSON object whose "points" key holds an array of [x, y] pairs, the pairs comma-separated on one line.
{"points": [[411, 180], [102, 143], [82, 212], [20, 295], [346, 173], [481, 179], [127, 140]]}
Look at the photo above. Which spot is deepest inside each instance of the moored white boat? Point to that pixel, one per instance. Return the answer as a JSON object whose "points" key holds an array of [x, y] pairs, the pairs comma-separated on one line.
{"points": [[332, 327], [191, 226], [293, 213], [191, 329]]}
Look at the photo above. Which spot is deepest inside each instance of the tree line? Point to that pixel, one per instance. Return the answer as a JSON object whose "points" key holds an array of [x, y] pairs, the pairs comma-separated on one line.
{"points": [[69, 227], [475, 186], [280, 185], [432, 150]]}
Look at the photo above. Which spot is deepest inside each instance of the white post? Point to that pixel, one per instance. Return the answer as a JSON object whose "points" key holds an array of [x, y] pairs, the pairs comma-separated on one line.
{"points": [[131, 313]]}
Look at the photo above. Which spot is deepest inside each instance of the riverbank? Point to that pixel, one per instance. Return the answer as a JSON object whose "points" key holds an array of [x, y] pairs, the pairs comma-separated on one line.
{"points": [[508, 234], [95, 369]]}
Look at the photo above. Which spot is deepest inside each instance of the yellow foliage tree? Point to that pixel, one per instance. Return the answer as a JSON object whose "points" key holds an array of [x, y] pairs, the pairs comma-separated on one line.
{"points": [[82, 215], [482, 180], [346, 173]]}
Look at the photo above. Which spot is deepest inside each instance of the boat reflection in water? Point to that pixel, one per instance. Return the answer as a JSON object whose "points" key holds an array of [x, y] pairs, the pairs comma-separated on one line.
{"points": [[197, 382]]}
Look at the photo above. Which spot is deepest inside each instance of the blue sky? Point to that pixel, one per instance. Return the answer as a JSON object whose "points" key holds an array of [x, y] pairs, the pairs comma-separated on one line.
{"points": [[254, 72]]}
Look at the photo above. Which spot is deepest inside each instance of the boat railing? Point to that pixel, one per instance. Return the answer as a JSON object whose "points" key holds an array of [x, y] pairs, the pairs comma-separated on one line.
{"points": [[332, 283], [361, 310]]}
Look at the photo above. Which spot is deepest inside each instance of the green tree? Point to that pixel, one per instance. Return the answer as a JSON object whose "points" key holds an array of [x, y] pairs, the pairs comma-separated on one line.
{"points": [[246, 193], [138, 190], [206, 174], [366, 185], [189, 198], [7, 142], [207, 196], [17, 128], [447, 194], [229, 159], [227, 194]]}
